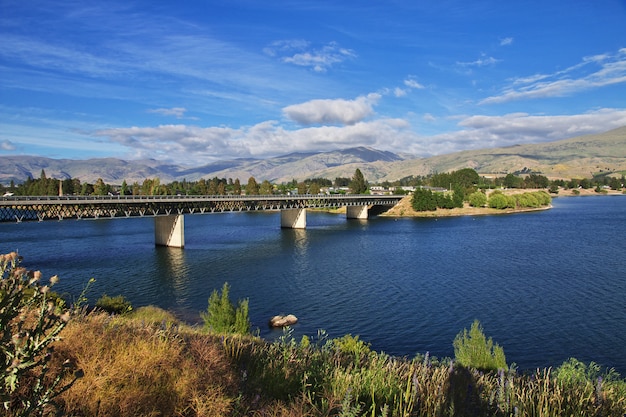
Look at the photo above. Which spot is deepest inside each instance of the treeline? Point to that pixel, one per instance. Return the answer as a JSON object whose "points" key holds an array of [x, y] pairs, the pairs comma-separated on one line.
{"points": [[468, 177], [153, 186], [466, 186], [463, 182]]}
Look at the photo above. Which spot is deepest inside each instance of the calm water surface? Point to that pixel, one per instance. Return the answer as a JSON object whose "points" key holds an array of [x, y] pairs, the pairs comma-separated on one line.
{"points": [[546, 286]]}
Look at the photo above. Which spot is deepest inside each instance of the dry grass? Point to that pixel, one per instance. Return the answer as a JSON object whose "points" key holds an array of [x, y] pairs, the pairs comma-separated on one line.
{"points": [[148, 364], [137, 368]]}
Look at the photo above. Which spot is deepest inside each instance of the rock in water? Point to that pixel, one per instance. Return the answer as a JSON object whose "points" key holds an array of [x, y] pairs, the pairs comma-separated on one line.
{"points": [[282, 321]]}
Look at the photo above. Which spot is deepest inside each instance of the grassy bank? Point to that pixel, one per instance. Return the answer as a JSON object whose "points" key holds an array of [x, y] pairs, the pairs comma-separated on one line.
{"points": [[59, 360], [148, 364]]}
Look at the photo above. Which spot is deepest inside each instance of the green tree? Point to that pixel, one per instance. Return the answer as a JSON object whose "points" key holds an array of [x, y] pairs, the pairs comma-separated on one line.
{"points": [[100, 188], [212, 188], [424, 200], [473, 350], [266, 188], [342, 182], [458, 196], [124, 188], [358, 185], [237, 187], [314, 188], [536, 181], [512, 181], [222, 316], [252, 188], [467, 178]]}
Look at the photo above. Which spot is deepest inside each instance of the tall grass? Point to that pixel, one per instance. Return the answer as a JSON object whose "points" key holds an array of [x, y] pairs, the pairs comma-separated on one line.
{"points": [[146, 363]]}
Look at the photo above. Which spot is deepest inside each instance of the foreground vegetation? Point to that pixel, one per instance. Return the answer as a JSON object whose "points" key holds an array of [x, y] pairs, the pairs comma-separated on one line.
{"points": [[144, 362]]}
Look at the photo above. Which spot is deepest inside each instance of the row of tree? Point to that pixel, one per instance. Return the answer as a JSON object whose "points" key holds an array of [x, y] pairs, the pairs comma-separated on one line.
{"points": [[463, 182], [153, 186]]}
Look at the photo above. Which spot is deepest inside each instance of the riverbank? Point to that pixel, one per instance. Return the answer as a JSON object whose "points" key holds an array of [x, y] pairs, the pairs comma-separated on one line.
{"points": [[404, 207], [147, 363]]}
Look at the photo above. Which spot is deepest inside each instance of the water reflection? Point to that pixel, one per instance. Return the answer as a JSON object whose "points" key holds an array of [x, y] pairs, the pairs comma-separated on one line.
{"points": [[172, 263]]}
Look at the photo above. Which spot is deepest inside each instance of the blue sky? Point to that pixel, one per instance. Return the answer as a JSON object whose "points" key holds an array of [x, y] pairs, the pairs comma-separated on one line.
{"points": [[197, 81]]}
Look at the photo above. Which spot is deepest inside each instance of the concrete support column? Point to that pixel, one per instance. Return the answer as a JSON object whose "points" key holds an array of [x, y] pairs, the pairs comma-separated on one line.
{"points": [[169, 230], [293, 218], [356, 212]]}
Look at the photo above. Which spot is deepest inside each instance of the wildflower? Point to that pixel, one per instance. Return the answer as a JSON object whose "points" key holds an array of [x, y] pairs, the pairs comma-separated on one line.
{"points": [[54, 279]]}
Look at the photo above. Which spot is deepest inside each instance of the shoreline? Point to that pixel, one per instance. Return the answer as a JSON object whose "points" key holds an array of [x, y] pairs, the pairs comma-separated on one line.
{"points": [[404, 207]]}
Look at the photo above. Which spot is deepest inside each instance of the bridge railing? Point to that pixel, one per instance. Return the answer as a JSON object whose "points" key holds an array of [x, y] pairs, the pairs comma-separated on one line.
{"points": [[134, 198]]}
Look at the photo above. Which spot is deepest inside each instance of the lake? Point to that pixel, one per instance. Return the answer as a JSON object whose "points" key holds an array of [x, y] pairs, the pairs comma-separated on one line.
{"points": [[546, 285]]}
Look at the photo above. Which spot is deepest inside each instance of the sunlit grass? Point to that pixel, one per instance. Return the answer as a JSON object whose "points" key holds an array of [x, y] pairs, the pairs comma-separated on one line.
{"points": [[147, 363]]}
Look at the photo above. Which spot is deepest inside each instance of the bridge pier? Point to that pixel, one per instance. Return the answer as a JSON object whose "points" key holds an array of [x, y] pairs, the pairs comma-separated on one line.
{"points": [[356, 212], [169, 230], [293, 218]]}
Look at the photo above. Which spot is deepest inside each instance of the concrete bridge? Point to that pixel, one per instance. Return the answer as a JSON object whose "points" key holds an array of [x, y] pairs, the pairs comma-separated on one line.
{"points": [[169, 211]]}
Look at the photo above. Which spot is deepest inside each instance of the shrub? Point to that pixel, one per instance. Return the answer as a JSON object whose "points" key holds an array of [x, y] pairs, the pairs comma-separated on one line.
{"points": [[115, 305], [29, 323], [477, 199], [498, 201], [222, 316], [473, 350]]}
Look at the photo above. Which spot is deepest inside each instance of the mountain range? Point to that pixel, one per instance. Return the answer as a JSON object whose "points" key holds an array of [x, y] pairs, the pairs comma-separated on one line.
{"points": [[582, 156]]}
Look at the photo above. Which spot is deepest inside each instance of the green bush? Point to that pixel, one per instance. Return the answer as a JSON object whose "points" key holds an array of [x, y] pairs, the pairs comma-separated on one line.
{"points": [[473, 350], [222, 316], [477, 199], [30, 321], [114, 305], [498, 201]]}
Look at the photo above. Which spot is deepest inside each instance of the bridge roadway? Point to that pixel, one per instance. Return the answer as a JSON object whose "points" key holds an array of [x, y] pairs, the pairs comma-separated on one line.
{"points": [[169, 211]]}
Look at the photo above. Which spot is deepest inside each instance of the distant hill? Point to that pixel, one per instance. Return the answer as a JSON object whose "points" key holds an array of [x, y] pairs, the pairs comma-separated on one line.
{"points": [[582, 156], [578, 157]]}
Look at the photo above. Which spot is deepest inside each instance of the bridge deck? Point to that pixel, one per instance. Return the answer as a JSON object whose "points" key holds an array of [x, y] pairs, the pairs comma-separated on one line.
{"points": [[39, 208]]}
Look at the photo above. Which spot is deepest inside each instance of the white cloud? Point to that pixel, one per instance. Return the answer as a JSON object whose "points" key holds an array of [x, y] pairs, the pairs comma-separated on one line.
{"points": [[399, 92], [479, 132], [411, 83], [299, 52], [607, 70], [196, 145], [7, 145], [429, 117], [338, 111], [506, 41], [480, 62], [193, 145], [177, 112]]}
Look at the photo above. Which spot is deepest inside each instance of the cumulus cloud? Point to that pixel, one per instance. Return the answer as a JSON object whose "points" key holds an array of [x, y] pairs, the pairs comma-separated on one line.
{"points": [[301, 53], [338, 111], [482, 131], [195, 145], [178, 112], [7, 145], [592, 72]]}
